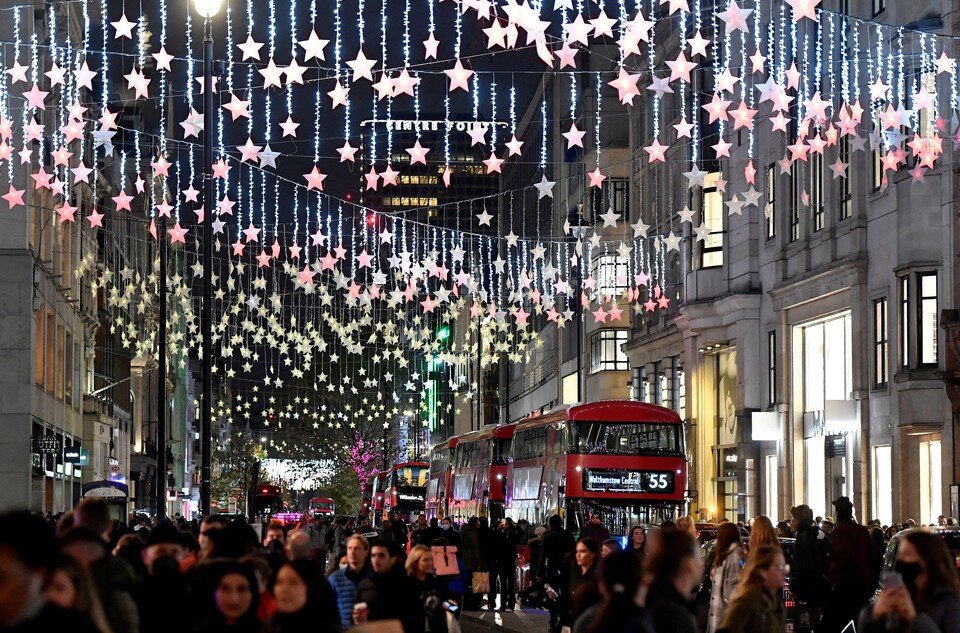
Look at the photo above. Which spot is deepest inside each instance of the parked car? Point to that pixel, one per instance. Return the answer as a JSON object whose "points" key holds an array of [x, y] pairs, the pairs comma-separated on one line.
{"points": [[950, 536]]}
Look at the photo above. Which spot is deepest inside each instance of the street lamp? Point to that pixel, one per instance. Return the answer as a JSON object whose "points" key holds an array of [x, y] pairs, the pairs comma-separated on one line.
{"points": [[207, 9], [579, 231]]}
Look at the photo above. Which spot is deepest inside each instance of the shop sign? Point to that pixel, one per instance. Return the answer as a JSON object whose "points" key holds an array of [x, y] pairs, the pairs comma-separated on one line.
{"points": [[47, 444], [72, 455], [637, 481]]}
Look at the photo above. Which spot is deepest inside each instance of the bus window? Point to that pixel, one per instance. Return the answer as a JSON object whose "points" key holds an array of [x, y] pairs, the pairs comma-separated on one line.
{"points": [[607, 438]]}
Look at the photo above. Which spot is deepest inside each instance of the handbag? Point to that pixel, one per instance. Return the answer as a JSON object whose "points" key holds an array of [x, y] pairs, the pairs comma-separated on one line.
{"points": [[480, 582], [445, 560]]}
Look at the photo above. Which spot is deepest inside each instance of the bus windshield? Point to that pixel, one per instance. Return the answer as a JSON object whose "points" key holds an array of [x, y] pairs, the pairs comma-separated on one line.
{"points": [[411, 476], [634, 438]]}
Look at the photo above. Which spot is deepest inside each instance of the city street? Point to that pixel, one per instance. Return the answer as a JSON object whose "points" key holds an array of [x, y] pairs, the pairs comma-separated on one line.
{"points": [[320, 314]]}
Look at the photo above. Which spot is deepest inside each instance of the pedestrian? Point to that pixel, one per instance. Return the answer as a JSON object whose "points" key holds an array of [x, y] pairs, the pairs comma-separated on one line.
{"points": [[208, 526], [386, 594], [927, 600], [808, 580], [783, 530], [299, 546], [506, 561], [581, 590], [71, 587], [620, 580], [848, 569], [533, 594], [470, 547], [431, 590], [130, 550], [305, 601], [762, 534], [27, 556], [456, 582], [756, 606], [595, 529], [676, 567], [235, 601], [344, 581], [609, 546], [552, 569], [637, 543], [726, 564], [448, 532], [687, 524], [165, 584]]}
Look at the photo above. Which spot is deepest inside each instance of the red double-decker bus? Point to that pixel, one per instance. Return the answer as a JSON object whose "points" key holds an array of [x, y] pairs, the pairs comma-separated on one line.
{"points": [[438, 479], [622, 460], [378, 489], [406, 490], [478, 473], [322, 507]]}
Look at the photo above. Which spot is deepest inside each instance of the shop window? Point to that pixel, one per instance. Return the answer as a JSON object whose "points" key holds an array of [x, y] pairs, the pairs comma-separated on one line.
{"points": [[815, 483], [927, 318], [711, 249], [606, 353], [770, 486], [770, 209], [827, 362], [883, 484], [880, 343], [931, 487]]}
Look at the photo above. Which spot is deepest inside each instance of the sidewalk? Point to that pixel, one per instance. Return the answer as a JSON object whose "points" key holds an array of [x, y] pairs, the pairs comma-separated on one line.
{"points": [[520, 621]]}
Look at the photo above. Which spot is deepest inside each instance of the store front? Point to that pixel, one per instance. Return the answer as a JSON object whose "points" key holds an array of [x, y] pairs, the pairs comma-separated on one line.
{"points": [[830, 419]]}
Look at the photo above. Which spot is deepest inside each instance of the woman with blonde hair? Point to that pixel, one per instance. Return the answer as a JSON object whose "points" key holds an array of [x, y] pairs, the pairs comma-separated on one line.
{"points": [[725, 571], [756, 606], [687, 524], [762, 534]]}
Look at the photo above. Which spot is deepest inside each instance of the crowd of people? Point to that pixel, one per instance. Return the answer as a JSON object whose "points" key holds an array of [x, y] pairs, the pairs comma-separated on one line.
{"points": [[88, 572]]}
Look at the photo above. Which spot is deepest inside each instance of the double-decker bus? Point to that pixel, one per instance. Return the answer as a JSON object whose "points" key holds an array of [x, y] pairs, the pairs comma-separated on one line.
{"points": [[622, 460], [478, 473], [322, 507], [406, 490], [378, 490], [267, 501], [438, 479]]}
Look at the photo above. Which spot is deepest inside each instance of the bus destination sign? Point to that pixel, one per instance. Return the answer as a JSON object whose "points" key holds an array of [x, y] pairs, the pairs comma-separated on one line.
{"points": [[638, 481]]}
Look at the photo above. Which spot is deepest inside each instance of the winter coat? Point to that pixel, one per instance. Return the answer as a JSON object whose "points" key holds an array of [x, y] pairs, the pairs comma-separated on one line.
{"points": [[391, 596], [471, 548], [754, 611], [115, 582], [943, 616], [849, 557], [809, 565], [724, 580], [344, 583], [670, 611], [557, 545]]}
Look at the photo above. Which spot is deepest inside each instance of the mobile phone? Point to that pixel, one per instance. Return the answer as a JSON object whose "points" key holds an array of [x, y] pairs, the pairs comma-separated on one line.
{"points": [[450, 606], [892, 579]]}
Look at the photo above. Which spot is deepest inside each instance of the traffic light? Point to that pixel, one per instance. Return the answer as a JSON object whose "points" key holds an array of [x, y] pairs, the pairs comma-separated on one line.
{"points": [[443, 335]]}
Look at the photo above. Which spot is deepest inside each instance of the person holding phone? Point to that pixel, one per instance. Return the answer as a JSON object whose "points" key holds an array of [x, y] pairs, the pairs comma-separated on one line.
{"points": [[922, 594]]}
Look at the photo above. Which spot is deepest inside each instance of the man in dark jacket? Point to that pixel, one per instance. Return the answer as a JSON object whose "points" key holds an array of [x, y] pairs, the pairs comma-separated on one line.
{"points": [[594, 528], [848, 569], [553, 567], [388, 593], [809, 566], [164, 585]]}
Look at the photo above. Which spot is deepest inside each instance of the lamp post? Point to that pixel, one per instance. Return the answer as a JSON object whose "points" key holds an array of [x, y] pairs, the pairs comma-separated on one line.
{"points": [[579, 230], [207, 10], [162, 378]]}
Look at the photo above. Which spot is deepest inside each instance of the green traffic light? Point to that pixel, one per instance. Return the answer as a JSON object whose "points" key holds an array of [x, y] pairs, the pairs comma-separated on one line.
{"points": [[443, 333]]}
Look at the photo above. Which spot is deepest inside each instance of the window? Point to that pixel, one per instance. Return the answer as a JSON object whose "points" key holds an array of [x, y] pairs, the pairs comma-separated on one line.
{"points": [[771, 367], [529, 443], [846, 181], [681, 407], [816, 191], [570, 389], [593, 438], [771, 486], [904, 321], [827, 362], [48, 366], [769, 211], [59, 366], [39, 346], [843, 7], [931, 474], [610, 274], [927, 318], [606, 353], [879, 6], [880, 343], [612, 194], [927, 116], [796, 200], [883, 484], [877, 172], [68, 369], [711, 249]]}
